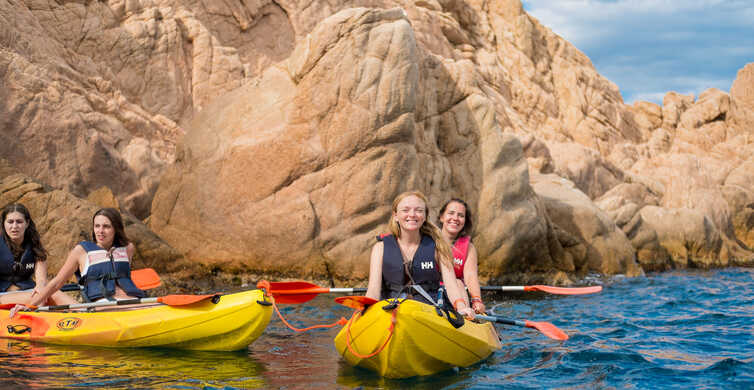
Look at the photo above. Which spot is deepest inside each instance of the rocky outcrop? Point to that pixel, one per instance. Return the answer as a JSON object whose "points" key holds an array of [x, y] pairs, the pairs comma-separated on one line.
{"points": [[64, 220], [115, 82], [302, 121], [322, 143]]}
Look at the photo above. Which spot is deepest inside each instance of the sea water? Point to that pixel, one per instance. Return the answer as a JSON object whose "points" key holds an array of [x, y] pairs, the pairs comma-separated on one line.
{"points": [[686, 329]]}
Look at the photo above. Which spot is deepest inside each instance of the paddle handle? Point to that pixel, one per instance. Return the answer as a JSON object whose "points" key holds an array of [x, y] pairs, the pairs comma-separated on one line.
{"points": [[500, 320], [503, 288], [130, 301], [348, 290]]}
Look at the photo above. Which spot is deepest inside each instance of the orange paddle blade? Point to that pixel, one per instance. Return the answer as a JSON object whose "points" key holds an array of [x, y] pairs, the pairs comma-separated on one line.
{"points": [[548, 330], [146, 278], [564, 290], [295, 292], [357, 302], [180, 300]]}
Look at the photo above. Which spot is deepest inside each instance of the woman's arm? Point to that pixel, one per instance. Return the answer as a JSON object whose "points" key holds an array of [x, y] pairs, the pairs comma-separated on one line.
{"points": [[471, 277], [375, 271], [454, 293], [40, 277], [40, 274], [66, 271]]}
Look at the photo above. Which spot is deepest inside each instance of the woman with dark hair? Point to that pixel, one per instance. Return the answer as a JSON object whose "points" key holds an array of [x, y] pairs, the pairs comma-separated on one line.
{"points": [[21, 256], [456, 224], [415, 253], [21, 252], [104, 264]]}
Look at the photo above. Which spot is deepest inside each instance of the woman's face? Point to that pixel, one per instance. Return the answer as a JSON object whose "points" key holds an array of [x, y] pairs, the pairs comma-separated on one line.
{"points": [[454, 218], [411, 213], [15, 226], [104, 233]]}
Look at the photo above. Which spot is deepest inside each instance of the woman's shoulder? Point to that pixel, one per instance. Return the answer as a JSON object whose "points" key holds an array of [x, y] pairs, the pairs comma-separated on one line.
{"points": [[82, 245]]}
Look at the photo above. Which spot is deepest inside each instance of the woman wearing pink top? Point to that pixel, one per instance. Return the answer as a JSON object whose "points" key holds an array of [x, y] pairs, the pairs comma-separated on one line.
{"points": [[456, 224]]}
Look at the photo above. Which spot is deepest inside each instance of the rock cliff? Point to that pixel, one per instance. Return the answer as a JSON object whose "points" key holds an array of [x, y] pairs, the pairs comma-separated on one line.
{"points": [[271, 136]]}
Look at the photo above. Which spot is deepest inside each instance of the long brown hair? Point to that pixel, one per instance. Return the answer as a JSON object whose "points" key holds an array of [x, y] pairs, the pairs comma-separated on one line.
{"points": [[428, 228], [120, 238], [31, 235]]}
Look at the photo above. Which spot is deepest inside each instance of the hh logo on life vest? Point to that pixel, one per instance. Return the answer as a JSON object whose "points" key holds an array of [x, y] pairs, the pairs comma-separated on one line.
{"points": [[69, 323], [29, 265], [428, 264]]}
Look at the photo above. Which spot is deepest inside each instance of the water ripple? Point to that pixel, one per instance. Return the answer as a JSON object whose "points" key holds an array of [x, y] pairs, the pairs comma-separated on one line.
{"points": [[675, 330]]}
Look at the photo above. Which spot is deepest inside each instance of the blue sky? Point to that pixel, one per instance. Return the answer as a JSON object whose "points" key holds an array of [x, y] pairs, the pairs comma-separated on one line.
{"points": [[651, 47]]}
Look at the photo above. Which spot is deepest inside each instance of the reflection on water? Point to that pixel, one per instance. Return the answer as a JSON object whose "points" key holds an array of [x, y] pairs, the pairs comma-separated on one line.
{"points": [[675, 330], [36, 366]]}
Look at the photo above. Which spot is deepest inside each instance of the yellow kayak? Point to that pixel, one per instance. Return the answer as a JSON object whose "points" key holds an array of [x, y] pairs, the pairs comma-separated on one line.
{"points": [[234, 322], [420, 343]]}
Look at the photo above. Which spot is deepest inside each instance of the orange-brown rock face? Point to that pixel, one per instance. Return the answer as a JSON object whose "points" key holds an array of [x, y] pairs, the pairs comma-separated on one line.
{"points": [[97, 93], [303, 120], [295, 172], [64, 220]]}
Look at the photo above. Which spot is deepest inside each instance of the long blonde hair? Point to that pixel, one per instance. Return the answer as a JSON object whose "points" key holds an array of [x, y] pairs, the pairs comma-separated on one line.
{"points": [[442, 248]]}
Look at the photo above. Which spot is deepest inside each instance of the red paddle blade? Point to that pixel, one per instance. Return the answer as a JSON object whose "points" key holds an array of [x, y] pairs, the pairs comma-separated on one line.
{"points": [[357, 302], [548, 330], [295, 292], [297, 298], [297, 286], [146, 278], [565, 290], [180, 300]]}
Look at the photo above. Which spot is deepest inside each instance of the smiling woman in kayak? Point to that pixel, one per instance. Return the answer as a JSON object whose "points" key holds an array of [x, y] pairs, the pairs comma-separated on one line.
{"points": [[456, 224], [411, 255], [104, 265]]}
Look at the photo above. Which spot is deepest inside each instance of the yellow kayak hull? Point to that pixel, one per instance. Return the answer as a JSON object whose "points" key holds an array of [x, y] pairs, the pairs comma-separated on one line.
{"points": [[422, 343], [232, 323]]}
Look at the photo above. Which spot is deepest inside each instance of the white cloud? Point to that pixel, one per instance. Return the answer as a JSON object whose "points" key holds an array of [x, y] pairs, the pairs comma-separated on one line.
{"points": [[649, 47]]}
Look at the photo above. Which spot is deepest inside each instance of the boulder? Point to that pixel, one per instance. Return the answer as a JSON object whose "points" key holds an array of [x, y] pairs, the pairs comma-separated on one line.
{"points": [[606, 248], [63, 220]]}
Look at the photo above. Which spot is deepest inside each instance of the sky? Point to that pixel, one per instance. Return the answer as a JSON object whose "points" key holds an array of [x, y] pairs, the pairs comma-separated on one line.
{"points": [[651, 47]]}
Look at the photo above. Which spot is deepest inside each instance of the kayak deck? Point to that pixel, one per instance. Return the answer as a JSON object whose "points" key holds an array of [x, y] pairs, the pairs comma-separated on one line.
{"points": [[422, 342], [232, 323]]}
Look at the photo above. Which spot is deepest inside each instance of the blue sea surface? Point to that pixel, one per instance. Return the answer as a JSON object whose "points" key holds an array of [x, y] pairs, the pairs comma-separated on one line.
{"points": [[685, 329]]}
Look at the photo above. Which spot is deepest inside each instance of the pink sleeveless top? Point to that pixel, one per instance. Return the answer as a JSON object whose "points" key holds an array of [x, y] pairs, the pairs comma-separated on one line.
{"points": [[460, 251]]}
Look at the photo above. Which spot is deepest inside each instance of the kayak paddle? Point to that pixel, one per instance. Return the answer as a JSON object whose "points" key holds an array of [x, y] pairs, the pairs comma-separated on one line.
{"points": [[144, 278], [546, 328], [300, 292], [170, 300], [547, 289]]}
